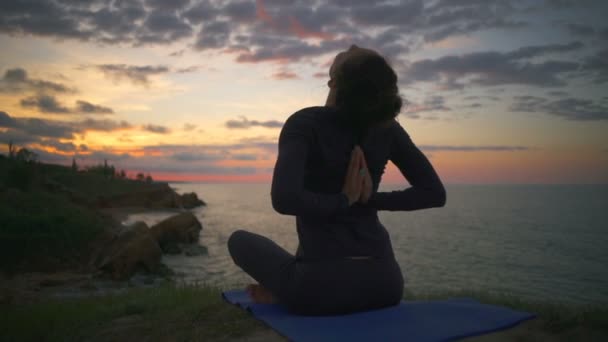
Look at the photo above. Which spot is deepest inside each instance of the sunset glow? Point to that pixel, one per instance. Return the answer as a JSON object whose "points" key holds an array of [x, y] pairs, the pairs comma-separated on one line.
{"points": [[498, 92]]}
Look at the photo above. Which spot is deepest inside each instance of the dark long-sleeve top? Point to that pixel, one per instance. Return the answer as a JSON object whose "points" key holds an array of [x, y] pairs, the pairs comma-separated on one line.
{"points": [[314, 151]]}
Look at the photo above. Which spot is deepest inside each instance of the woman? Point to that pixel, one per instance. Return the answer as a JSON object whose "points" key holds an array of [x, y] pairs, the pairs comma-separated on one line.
{"points": [[328, 169]]}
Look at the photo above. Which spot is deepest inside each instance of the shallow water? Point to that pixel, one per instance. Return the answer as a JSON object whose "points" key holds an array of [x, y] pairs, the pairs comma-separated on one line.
{"points": [[535, 241]]}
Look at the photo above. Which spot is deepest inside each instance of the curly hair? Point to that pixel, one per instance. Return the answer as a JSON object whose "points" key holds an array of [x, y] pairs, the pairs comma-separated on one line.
{"points": [[367, 91]]}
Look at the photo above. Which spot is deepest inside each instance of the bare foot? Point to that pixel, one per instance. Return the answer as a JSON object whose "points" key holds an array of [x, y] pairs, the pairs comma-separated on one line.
{"points": [[259, 294]]}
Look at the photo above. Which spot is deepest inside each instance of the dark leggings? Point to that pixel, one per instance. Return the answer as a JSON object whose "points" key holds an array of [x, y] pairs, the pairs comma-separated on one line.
{"points": [[327, 287]]}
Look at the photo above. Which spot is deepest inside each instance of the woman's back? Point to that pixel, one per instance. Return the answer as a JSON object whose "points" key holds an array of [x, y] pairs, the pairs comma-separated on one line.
{"points": [[315, 146]]}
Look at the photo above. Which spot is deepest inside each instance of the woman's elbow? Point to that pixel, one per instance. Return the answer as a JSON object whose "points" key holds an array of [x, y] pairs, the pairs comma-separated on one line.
{"points": [[280, 203], [439, 196]]}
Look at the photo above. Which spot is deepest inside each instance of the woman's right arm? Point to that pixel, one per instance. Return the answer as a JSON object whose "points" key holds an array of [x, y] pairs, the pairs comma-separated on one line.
{"points": [[426, 189]]}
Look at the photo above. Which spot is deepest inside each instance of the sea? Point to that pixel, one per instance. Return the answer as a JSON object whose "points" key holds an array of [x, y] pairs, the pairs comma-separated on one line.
{"points": [[537, 242]]}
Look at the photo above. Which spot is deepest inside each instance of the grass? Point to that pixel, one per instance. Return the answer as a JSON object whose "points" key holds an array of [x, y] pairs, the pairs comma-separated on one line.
{"points": [[177, 313], [198, 313], [43, 225], [557, 317]]}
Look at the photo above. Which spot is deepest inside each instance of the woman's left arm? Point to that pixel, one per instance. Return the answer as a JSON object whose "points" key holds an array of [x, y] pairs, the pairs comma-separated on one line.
{"points": [[287, 191]]}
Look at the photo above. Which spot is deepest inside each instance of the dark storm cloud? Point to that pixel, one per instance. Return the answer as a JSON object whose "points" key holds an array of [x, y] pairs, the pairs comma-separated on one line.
{"points": [[17, 80], [136, 74], [49, 104], [245, 123], [569, 108]]}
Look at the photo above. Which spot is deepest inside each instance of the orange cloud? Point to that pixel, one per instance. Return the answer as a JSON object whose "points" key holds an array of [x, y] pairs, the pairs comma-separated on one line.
{"points": [[302, 32], [261, 12], [285, 75]]}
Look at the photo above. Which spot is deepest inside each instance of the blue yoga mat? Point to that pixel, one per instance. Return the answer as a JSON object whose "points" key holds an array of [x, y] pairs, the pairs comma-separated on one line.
{"points": [[442, 320]]}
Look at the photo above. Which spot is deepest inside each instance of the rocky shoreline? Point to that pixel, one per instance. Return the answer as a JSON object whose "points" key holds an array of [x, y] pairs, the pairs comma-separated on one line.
{"points": [[112, 256], [121, 257]]}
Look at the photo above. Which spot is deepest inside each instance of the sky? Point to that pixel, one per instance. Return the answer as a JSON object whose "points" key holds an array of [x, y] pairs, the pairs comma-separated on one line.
{"points": [[496, 91]]}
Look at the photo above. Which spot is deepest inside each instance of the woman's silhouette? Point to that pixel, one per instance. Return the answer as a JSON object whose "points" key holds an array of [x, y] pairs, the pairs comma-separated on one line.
{"points": [[328, 169]]}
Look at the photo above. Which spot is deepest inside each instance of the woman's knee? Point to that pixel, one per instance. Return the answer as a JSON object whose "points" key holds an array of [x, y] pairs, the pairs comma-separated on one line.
{"points": [[236, 243]]}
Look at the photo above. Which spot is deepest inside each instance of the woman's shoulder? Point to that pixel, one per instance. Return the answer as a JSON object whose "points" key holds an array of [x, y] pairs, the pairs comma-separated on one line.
{"points": [[311, 115], [313, 111]]}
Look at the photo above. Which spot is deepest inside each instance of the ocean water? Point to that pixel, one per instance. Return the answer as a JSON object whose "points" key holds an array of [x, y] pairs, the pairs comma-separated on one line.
{"points": [[546, 242]]}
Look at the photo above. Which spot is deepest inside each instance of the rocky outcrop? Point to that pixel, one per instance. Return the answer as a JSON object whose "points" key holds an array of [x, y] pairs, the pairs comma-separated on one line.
{"points": [[156, 196], [191, 200], [175, 230], [122, 253]]}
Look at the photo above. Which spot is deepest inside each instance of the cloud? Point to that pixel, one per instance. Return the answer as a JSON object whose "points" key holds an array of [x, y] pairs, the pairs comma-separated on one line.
{"points": [[17, 137], [59, 145], [285, 75], [189, 127], [6, 120], [557, 93], [245, 123], [597, 66], [580, 29], [17, 81], [137, 74], [102, 125], [156, 129], [36, 128], [49, 104], [213, 35], [244, 156], [192, 68], [162, 26], [89, 108], [495, 68], [45, 104], [195, 156], [576, 109], [431, 104], [271, 30]]}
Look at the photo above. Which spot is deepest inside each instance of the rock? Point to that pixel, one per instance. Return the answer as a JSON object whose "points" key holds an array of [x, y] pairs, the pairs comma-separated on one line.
{"points": [[181, 228], [191, 200], [194, 249], [133, 247], [171, 248]]}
